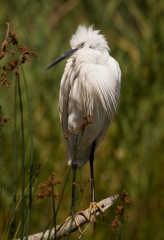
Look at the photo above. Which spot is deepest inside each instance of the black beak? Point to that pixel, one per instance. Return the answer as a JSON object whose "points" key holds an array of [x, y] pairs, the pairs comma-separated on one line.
{"points": [[62, 57]]}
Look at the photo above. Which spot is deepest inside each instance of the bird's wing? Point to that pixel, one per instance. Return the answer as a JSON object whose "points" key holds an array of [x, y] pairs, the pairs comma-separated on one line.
{"points": [[104, 84], [65, 88], [118, 80], [93, 91]]}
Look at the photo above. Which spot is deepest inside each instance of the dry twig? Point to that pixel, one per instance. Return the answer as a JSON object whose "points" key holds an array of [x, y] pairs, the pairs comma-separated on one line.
{"points": [[68, 227]]}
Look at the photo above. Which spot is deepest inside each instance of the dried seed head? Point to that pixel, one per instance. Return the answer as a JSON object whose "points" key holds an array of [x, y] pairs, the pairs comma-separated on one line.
{"points": [[125, 198], [47, 188], [128, 200], [5, 82], [14, 63], [123, 194], [5, 46], [115, 224], [16, 71], [120, 211], [12, 38], [57, 195]]}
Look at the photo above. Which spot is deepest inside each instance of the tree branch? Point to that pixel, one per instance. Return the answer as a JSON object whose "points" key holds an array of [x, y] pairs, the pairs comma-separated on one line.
{"points": [[70, 226]]}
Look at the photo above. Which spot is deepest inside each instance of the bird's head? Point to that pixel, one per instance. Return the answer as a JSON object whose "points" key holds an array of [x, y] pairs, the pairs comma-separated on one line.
{"points": [[86, 39]]}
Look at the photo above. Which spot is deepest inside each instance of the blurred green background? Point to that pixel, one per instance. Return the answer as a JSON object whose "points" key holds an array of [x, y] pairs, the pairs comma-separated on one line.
{"points": [[131, 157]]}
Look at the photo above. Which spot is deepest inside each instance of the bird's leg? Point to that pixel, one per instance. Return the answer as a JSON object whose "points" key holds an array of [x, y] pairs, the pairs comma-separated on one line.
{"points": [[91, 160], [73, 211], [74, 167], [93, 204]]}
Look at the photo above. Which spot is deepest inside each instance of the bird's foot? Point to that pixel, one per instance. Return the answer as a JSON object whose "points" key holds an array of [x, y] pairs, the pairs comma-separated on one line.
{"points": [[93, 208], [74, 218]]}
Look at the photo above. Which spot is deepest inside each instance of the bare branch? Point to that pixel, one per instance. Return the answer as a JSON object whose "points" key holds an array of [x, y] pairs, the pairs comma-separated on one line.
{"points": [[70, 226]]}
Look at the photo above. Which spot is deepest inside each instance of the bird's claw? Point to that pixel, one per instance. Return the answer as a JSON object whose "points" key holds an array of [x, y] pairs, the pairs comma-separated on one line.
{"points": [[75, 219], [92, 210]]}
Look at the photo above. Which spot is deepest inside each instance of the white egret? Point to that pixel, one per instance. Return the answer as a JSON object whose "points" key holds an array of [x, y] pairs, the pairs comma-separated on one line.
{"points": [[89, 95]]}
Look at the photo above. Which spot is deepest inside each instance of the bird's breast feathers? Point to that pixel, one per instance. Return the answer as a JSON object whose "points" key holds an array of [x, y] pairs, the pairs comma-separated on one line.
{"points": [[89, 90]]}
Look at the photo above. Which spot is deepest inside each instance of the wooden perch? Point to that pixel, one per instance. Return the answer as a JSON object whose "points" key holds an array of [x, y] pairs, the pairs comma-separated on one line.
{"points": [[68, 227]]}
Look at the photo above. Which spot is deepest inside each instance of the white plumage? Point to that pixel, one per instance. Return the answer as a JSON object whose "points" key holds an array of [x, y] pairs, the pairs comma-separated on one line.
{"points": [[90, 88], [89, 95]]}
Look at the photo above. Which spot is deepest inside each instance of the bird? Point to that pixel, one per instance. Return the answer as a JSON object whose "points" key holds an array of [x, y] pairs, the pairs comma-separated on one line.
{"points": [[88, 100]]}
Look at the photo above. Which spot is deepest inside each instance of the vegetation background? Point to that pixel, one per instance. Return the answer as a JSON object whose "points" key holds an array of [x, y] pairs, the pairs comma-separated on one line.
{"points": [[132, 155]]}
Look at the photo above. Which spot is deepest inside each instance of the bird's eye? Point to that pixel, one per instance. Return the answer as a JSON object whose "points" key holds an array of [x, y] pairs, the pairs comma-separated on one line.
{"points": [[90, 47], [81, 45]]}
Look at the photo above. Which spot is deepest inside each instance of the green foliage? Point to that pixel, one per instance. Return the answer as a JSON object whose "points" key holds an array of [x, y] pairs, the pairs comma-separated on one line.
{"points": [[131, 156]]}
